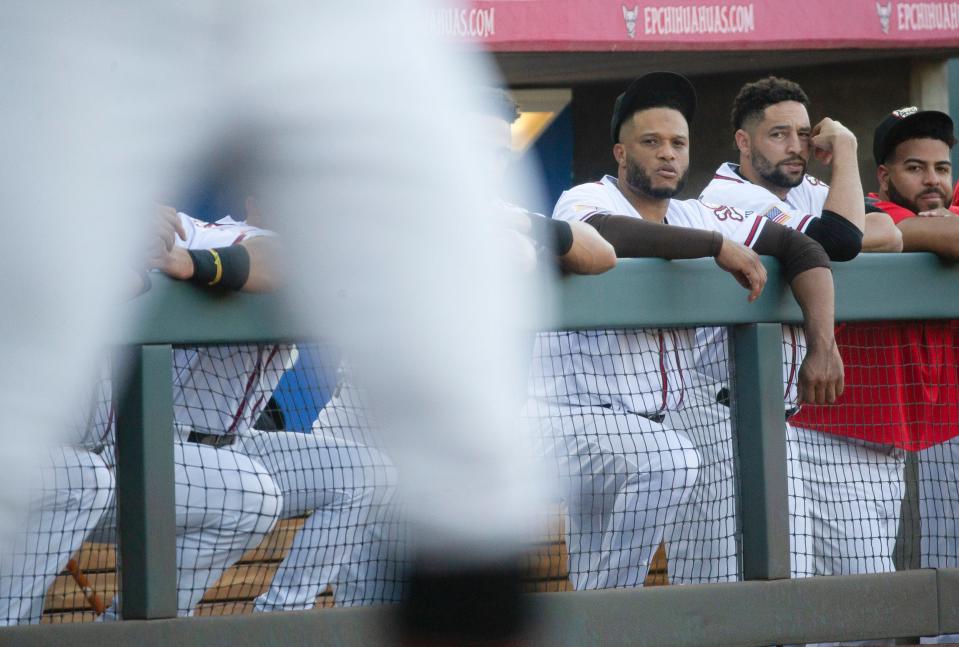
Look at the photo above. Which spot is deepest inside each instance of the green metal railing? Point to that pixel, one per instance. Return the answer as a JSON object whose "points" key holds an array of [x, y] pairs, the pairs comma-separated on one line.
{"points": [[767, 609]]}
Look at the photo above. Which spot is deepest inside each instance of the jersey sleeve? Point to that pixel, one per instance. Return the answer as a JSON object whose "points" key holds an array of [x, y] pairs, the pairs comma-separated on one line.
{"points": [[222, 233], [734, 224], [754, 200], [583, 201]]}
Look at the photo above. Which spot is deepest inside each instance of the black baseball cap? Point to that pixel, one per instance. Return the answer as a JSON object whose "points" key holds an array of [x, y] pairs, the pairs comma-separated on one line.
{"points": [[651, 91], [897, 126]]}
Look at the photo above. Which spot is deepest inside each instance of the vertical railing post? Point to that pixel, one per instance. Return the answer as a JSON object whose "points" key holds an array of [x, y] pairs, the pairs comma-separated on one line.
{"points": [[906, 554], [760, 432], [145, 495]]}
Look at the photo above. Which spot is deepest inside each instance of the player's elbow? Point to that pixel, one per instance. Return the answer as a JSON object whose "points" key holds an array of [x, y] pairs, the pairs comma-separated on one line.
{"points": [[605, 258], [894, 242], [882, 234], [590, 253]]}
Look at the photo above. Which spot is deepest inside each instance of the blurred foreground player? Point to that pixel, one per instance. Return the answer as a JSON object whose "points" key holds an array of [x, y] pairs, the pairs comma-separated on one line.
{"points": [[147, 91]]}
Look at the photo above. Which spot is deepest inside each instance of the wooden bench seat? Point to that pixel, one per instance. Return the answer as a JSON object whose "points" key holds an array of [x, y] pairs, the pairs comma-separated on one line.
{"points": [[234, 592]]}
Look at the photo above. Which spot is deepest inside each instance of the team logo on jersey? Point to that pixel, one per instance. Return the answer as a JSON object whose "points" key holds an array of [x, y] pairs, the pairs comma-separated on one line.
{"points": [[722, 212], [580, 208], [777, 215], [884, 13], [630, 15]]}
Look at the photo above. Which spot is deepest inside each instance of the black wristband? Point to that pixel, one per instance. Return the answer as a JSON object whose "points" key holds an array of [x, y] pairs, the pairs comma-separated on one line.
{"points": [[226, 268]]}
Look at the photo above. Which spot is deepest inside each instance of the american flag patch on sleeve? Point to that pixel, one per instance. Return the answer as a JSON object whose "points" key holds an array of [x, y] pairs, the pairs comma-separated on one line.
{"points": [[777, 215]]}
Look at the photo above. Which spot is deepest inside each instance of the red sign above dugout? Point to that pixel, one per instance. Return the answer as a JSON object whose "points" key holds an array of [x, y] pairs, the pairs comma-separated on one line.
{"points": [[605, 25]]}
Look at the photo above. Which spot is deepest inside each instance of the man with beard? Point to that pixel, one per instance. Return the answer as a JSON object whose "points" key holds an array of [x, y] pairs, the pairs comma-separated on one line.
{"points": [[774, 137], [911, 149], [607, 392], [912, 362], [775, 140]]}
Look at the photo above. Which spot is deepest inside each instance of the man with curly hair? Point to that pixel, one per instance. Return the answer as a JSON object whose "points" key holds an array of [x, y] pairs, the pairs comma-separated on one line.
{"points": [[775, 142]]}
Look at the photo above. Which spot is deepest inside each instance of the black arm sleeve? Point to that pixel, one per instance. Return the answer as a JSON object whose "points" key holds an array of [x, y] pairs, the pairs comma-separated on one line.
{"points": [[841, 239], [637, 238], [554, 235], [797, 252]]}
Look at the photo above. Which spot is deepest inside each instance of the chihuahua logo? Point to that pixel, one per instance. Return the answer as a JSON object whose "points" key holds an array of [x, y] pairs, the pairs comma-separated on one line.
{"points": [[884, 13], [629, 15]]}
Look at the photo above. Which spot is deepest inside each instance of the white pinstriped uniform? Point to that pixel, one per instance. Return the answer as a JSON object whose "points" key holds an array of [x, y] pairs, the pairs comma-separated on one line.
{"points": [[625, 473], [225, 502], [226, 499], [826, 536], [703, 545]]}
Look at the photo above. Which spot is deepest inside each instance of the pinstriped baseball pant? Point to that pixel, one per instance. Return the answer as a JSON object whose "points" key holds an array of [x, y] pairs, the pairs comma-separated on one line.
{"points": [[623, 477], [76, 491], [225, 504]]}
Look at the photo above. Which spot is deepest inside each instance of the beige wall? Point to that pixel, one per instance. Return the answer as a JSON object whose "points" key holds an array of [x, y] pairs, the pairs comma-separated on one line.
{"points": [[857, 94]]}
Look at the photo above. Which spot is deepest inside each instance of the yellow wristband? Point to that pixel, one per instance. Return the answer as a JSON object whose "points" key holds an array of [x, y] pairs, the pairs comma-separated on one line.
{"points": [[219, 267]]}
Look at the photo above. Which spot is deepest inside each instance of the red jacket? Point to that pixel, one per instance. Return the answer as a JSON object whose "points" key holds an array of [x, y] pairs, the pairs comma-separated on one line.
{"points": [[902, 378]]}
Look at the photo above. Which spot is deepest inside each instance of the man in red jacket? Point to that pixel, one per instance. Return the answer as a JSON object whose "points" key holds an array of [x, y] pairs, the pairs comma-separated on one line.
{"points": [[902, 385]]}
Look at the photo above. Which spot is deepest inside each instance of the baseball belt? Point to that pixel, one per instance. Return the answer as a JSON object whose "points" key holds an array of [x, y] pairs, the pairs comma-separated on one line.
{"points": [[722, 397], [213, 440], [653, 417]]}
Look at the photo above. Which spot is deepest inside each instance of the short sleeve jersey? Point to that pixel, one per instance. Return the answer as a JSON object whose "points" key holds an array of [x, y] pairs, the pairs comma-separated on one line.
{"points": [[640, 371], [797, 210], [803, 202], [222, 233]]}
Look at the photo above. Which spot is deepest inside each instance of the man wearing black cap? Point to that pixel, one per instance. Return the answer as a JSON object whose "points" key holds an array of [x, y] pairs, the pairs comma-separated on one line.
{"points": [[901, 380], [911, 148], [610, 391]]}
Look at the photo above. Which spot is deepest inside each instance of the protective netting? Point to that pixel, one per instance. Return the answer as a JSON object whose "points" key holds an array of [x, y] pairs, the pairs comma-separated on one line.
{"points": [[266, 518], [635, 426], [328, 486], [285, 500], [901, 402]]}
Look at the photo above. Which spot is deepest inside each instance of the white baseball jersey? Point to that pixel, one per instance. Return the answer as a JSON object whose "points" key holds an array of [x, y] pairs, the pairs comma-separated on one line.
{"points": [[803, 202], [801, 205], [222, 233], [635, 370]]}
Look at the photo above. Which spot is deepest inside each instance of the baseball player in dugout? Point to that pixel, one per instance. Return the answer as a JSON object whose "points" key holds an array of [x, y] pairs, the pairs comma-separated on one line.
{"points": [[902, 386], [611, 412], [337, 482], [775, 141], [575, 246]]}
